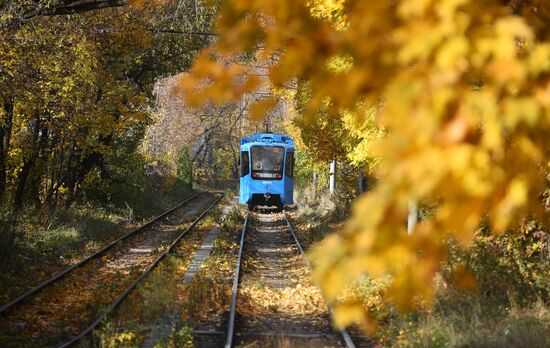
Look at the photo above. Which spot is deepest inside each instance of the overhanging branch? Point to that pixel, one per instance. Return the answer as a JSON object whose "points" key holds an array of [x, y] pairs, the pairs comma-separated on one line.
{"points": [[18, 14], [71, 7]]}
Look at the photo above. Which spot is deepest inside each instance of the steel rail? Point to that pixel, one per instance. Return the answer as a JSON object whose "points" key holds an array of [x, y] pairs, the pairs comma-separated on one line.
{"points": [[136, 281], [234, 290], [343, 332], [10, 305]]}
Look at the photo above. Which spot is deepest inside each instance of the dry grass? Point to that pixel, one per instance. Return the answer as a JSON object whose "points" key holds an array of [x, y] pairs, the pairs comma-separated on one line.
{"points": [[458, 319]]}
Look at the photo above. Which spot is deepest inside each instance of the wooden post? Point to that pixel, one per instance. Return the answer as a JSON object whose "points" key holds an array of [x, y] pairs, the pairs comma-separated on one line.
{"points": [[332, 180]]}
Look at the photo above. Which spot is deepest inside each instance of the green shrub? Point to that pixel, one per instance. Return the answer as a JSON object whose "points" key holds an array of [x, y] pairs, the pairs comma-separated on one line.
{"points": [[111, 337], [513, 266], [183, 338], [509, 307], [185, 168]]}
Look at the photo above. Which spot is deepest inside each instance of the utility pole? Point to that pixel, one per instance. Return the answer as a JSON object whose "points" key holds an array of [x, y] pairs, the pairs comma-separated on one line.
{"points": [[332, 179], [412, 219]]}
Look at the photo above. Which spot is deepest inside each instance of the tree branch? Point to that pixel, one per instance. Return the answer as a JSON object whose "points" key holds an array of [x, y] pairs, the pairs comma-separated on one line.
{"points": [[65, 7], [58, 7]]}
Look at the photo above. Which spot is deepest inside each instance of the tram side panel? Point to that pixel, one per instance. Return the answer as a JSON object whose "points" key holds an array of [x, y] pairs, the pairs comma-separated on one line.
{"points": [[288, 196], [244, 182]]}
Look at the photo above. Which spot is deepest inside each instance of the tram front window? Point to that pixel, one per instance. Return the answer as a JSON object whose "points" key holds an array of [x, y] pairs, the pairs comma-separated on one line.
{"points": [[267, 162]]}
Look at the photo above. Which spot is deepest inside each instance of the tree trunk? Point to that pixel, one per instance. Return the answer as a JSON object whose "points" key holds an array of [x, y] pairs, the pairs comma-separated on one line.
{"points": [[22, 183], [88, 163], [5, 138], [58, 177], [39, 138], [235, 156]]}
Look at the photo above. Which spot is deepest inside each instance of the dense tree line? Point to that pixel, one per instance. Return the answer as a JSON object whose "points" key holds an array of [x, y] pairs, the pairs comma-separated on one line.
{"points": [[75, 91]]}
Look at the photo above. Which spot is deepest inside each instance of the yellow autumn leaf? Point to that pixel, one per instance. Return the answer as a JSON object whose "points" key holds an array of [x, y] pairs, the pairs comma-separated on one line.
{"points": [[345, 314], [257, 110]]}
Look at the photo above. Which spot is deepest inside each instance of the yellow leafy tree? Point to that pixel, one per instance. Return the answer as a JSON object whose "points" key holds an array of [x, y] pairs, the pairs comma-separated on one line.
{"points": [[465, 92]]}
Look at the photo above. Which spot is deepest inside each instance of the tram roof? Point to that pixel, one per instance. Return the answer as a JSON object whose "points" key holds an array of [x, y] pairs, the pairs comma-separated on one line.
{"points": [[268, 138]]}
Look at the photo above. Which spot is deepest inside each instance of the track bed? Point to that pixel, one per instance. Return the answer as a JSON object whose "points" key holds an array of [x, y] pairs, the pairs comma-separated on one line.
{"points": [[69, 305], [276, 303]]}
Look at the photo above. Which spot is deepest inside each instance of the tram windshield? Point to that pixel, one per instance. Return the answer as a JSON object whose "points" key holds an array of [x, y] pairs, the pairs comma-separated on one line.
{"points": [[267, 162]]}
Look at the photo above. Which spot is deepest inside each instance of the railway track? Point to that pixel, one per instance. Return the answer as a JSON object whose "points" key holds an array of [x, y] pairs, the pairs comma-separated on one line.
{"points": [[65, 308], [271, 258]]}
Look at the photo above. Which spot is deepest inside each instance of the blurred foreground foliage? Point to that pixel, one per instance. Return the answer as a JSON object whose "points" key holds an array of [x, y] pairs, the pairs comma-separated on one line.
{"points": [[442, 101], [504, 304]]}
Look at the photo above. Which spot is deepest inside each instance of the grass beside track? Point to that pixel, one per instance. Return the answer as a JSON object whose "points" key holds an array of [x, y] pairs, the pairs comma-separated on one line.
{"points": [[458, 318], [65, 308], [46, 242]]}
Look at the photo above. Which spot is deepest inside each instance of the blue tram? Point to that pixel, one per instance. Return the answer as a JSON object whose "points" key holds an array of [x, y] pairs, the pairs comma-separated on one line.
{"points": [[267, 170]]}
